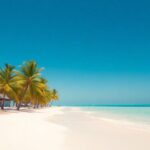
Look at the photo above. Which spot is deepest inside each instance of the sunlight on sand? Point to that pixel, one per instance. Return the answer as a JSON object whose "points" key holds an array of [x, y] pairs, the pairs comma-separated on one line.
{"points": [[63, 128]]}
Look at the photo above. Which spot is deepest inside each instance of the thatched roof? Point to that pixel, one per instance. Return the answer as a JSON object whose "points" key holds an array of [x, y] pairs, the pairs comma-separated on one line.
{"points": [[6, 98]]}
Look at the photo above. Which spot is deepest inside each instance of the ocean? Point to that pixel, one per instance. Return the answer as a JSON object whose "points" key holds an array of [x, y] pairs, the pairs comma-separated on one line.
{"points": [[128, 115]]}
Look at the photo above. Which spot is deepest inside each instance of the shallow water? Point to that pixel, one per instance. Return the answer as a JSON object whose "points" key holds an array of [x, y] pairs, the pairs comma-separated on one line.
{"points": [[140, 115]]}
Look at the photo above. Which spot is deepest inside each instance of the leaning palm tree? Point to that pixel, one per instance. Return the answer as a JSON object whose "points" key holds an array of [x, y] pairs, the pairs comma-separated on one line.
{"points": [[7, 83], [29, 80]]}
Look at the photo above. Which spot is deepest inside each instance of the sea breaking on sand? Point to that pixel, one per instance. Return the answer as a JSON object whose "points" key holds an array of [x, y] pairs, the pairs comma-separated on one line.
{"points": [[66, 128]]}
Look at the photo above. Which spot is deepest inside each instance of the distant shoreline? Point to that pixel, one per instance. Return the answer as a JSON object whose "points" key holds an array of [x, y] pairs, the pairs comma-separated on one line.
{"points": [[141, 105]]}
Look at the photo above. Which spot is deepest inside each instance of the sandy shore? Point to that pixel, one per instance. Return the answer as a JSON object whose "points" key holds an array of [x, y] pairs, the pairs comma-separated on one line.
{"points": [[64, 128]]}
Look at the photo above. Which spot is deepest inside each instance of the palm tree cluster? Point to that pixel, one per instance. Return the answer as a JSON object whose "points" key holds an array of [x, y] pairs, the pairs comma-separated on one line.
{"points": [[25, 86]]}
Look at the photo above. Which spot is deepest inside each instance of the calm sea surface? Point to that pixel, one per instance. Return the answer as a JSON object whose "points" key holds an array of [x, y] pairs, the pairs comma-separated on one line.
{"points": [[139, 115]]}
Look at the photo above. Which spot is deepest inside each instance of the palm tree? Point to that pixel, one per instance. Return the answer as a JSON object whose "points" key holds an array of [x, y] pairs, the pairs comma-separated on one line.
{"points": [[29, 79], [54, 95], [25, 86], [41, 96], [7, 83]]}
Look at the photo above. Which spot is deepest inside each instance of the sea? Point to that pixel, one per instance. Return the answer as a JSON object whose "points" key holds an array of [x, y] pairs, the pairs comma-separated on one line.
{"points": [[139, 115]]}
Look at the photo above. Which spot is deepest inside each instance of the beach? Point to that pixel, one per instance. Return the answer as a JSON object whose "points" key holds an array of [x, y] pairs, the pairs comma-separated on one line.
{"points": [[67, 128]]}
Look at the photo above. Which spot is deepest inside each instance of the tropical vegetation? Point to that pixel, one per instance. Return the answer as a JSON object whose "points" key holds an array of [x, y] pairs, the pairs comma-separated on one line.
{"points": [[25, 86]]}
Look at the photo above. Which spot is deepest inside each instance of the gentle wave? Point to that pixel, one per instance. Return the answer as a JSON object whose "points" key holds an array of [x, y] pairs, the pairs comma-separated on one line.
{"points": [[139, 116]]}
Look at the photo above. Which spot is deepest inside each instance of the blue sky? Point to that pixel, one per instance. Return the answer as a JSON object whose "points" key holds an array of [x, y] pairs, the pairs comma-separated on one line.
{"points": [[93, 52]]}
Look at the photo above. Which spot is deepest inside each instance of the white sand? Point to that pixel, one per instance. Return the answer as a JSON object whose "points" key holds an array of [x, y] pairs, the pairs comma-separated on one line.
{"points": [[67, 129]]}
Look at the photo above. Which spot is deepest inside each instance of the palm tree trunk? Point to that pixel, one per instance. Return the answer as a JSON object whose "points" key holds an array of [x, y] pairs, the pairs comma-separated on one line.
{"points": [[34, 106], [35, 103], [18, 106], [2, 104], [21, 99], [37, 106]]}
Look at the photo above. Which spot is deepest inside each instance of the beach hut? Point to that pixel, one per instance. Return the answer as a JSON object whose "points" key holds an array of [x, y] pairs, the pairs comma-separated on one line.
{"points": [[7, 102]]}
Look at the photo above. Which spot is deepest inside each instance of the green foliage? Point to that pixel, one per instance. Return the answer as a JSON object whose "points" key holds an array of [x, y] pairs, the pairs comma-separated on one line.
{"points": [[26, 85]]}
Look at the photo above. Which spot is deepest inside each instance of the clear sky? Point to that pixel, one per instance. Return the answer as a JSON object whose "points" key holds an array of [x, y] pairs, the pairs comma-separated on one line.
{"points": [[93, 51]]}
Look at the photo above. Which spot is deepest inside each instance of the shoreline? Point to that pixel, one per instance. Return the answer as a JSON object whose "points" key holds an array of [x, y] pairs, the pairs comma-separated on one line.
{"points": [[101, 117], [117, 119], [101, 134], [67, 128]]}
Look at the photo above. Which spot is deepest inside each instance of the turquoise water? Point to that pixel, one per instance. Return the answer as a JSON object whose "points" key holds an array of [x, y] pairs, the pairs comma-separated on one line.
{"points": [[139, 115]]}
